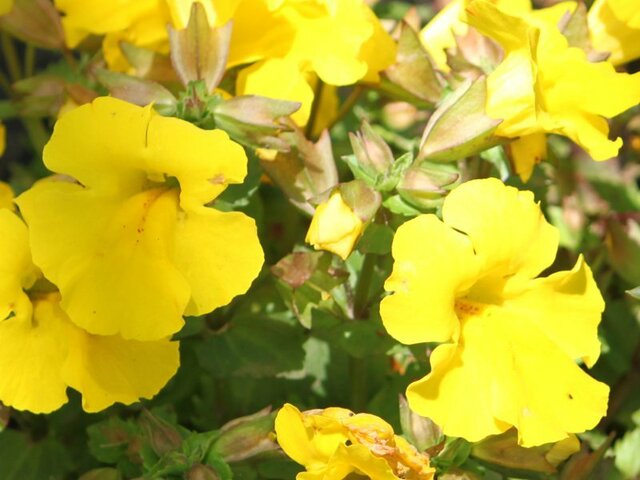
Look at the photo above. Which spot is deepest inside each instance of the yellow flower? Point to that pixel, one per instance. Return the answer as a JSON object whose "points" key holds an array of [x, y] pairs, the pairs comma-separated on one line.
{"points": [[509, 339], [335, 227], [545, 86], [614, 26], [130, 244], [292, 43], [335, 442], [43, 352]]}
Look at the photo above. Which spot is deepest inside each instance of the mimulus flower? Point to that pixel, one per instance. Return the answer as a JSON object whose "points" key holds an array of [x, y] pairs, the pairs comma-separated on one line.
{"points": [[509, 338], [545, 86], [291, 43], [334, 443], [335, 227], [614, 27], [43, 352], [130, 244]]}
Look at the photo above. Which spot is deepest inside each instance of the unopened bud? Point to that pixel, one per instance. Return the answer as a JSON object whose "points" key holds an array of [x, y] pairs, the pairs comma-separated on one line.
{"points": [[35, 21], [421, 432], [503, 450], [305, 171], [136, 90], [200, 52], [373, 155], [460, 127], [245, 437], [422, 184], [256, 121], [414, 70], [161, 435]]}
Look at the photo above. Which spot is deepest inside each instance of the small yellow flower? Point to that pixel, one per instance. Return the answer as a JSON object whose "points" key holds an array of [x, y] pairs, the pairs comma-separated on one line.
{"points": [[614, 26], [335, 442], [545, 86], [335, 227], [510, 339], [43, 352], [130, 244]]}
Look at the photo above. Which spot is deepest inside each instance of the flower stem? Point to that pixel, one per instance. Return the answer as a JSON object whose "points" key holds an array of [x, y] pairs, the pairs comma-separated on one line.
{"points": [[11, 56]]}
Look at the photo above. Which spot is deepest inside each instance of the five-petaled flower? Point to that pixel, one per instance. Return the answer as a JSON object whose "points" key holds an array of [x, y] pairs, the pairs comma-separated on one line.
{"points": [[509, 338], [127, 236], [43, 352]]}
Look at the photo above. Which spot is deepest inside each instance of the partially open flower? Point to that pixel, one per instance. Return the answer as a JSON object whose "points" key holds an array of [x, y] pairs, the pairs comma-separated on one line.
{"points": [[130, 244], [335, 227], [510, 339]]}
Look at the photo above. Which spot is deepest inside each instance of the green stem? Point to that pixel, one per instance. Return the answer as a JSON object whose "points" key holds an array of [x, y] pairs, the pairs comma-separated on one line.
{"points": [[38, 134], [358, 384], [10, 56], [347, 105], [315, 108], [361, 298], [358, 366], [29, 60]]}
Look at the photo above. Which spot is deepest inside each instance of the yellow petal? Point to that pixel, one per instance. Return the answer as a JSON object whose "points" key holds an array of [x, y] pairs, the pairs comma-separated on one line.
{"points": [[614, 26], [299, 440], [17, 271], [334, 227], [280, 79], [109, 257], [109, 369], [31, 359], [218, 12], [486, 210], [567, 306], [218, 254], [432, 264], [457, 394], [438, 35], [540, 390], [6, 197], [359, 459], [526, 152]]}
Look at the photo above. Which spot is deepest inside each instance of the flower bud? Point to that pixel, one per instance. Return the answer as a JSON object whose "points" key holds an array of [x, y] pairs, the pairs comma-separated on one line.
{"points": [[161, 435], [200, 52], [422, 184], [422, 432], [339, 222], [256, 121], [459, 127], [305, 171], [245, 437], [503, 450], [372, 154], [136, 90], [35, 21], [414, 70]]}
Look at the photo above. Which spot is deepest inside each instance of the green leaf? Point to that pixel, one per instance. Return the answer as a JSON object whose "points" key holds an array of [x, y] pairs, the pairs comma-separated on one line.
{"points": [[253, 346], [627, 451], [376, 239], [23, 459]]}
